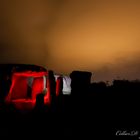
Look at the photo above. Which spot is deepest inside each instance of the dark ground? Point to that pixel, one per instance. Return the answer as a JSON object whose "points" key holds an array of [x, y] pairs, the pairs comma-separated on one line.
{"points": [[95, 111], [93, 115]]}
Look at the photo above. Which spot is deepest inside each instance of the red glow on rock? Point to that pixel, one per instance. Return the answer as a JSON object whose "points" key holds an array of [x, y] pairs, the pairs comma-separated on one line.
{"points": [[58, 86], [19, 88], [37, 87]]}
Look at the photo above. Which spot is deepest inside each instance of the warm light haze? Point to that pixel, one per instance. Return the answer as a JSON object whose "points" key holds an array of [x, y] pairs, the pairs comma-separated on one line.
{"points": [[101, 36]]}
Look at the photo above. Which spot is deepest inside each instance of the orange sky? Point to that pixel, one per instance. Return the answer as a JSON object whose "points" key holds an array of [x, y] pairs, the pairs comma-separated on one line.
{"points": [[101, 36]]}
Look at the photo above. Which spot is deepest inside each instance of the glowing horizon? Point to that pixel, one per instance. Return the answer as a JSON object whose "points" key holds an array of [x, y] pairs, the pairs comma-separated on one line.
{"points": [[98, 36]]}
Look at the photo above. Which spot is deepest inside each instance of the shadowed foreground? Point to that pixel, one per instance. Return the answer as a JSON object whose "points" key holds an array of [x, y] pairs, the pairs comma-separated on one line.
{"points": [[91, 110], [90, 115]]}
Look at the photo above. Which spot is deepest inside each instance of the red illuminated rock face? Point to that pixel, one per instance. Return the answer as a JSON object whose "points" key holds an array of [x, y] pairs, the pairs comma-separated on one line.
{"points": [[6, 72], [20, 95], [26, 82], [59, 85]]}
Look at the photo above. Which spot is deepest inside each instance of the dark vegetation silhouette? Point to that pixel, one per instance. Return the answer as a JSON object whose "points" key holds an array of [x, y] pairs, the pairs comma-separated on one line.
{"points": [[91, 107]]}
